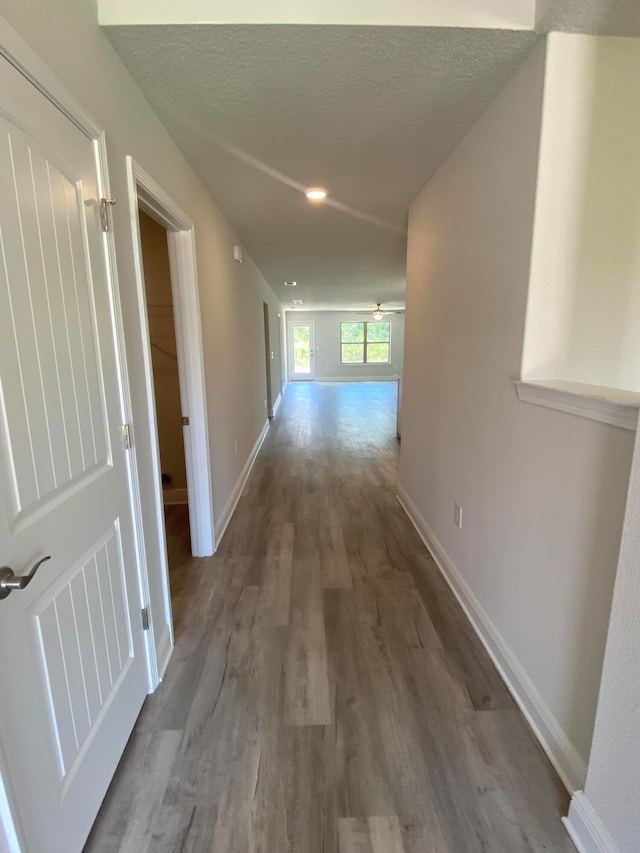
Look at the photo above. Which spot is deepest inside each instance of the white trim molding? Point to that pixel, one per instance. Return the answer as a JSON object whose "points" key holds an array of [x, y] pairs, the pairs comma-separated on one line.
{"points": [[276, 405], [164, 650], [234, 497], [599, 403], [561, 752], [585, 828]]}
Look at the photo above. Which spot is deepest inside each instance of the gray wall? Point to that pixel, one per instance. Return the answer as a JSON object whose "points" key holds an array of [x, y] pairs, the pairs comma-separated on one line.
{"points": [[543, 492]]}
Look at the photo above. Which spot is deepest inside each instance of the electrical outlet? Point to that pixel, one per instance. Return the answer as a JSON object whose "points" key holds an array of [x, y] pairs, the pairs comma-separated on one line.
{"points": [[236, 446], [457, 516]]}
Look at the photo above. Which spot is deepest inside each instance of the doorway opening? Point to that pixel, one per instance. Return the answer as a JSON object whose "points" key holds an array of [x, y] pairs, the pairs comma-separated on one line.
{"points": [[301, 350], [172, 344], [166, 385], [164, 359]]}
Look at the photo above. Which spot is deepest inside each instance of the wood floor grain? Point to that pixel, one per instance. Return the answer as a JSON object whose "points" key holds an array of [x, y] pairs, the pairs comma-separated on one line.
{"points": [[370, 835], [306, 678], [275, 588], [326, 693]]}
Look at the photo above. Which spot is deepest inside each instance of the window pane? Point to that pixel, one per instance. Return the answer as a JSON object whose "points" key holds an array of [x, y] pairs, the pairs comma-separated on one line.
{"points": [[378, 354], [377, 331], [301, 349], [352, 353], [351, 333], [301, 334]]}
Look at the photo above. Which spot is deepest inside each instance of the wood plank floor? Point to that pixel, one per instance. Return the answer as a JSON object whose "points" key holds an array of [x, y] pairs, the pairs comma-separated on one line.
{"points": [[326, 693]]}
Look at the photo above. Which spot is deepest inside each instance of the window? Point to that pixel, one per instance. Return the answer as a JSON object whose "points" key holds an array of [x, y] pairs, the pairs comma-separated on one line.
{"points": [[364, 343]]}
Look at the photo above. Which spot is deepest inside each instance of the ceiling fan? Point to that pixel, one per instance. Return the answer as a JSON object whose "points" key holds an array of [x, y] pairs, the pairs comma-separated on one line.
{"points": [[378, 313]]}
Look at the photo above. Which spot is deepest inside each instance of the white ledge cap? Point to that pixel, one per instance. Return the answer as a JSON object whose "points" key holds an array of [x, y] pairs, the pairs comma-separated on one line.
{"points": [[613, 406]]}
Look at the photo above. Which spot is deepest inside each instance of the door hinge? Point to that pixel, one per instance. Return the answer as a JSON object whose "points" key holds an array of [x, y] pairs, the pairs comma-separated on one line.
{"points": [[185, 421], [145, 618], [127, 438], [105, 203]]}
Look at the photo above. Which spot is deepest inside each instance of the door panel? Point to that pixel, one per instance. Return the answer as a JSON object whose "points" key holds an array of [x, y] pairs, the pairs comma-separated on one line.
{"points": [[72, 668], [83, 637], [301, 350], [52, 375]]}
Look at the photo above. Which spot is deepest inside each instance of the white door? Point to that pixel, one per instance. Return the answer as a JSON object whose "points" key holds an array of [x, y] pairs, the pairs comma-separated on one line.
{"points": [[72, 666], [301, 350]]}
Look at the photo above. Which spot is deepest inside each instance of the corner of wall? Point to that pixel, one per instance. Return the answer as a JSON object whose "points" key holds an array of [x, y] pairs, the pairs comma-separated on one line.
{"points": [[585, 828]]}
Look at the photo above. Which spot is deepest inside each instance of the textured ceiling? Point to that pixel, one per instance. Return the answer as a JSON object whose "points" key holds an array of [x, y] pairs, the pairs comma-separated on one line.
{"points": [[369, 113]]}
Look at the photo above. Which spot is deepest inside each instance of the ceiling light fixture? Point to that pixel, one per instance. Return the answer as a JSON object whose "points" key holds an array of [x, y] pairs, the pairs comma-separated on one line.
{"points": [[297, 301], [378, 314], [291, 284], [316, 194]]}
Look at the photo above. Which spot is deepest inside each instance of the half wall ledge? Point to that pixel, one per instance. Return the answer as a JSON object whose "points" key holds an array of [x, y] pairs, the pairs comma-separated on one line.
{"points": [[599, 403]]}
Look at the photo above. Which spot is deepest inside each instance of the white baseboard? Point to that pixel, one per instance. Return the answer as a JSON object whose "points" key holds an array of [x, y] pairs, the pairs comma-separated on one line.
{"points": [[227, 512], [393, 378], [174, 496], [276, 405], [568, 763], [586, 829], [164, 651]]}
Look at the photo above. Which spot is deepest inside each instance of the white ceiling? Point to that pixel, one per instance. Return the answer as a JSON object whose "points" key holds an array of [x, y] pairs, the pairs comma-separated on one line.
{"points": [[368, 112]]}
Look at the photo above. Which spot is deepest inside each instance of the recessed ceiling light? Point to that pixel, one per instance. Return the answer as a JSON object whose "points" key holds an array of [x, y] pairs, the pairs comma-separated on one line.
{"points": [[297, 301], [291, 284], [316, 194]]}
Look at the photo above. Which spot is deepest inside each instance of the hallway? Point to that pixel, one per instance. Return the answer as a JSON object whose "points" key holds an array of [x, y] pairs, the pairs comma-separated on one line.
{"points": [[326, 693]]}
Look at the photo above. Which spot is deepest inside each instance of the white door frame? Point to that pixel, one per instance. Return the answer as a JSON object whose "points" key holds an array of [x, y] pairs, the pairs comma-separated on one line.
{"points": [[312, 346], [16, 51], [147, 195]]}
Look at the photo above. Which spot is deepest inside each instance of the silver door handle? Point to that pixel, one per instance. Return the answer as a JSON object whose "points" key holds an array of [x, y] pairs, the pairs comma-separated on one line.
{"points": [[9, 581]]}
